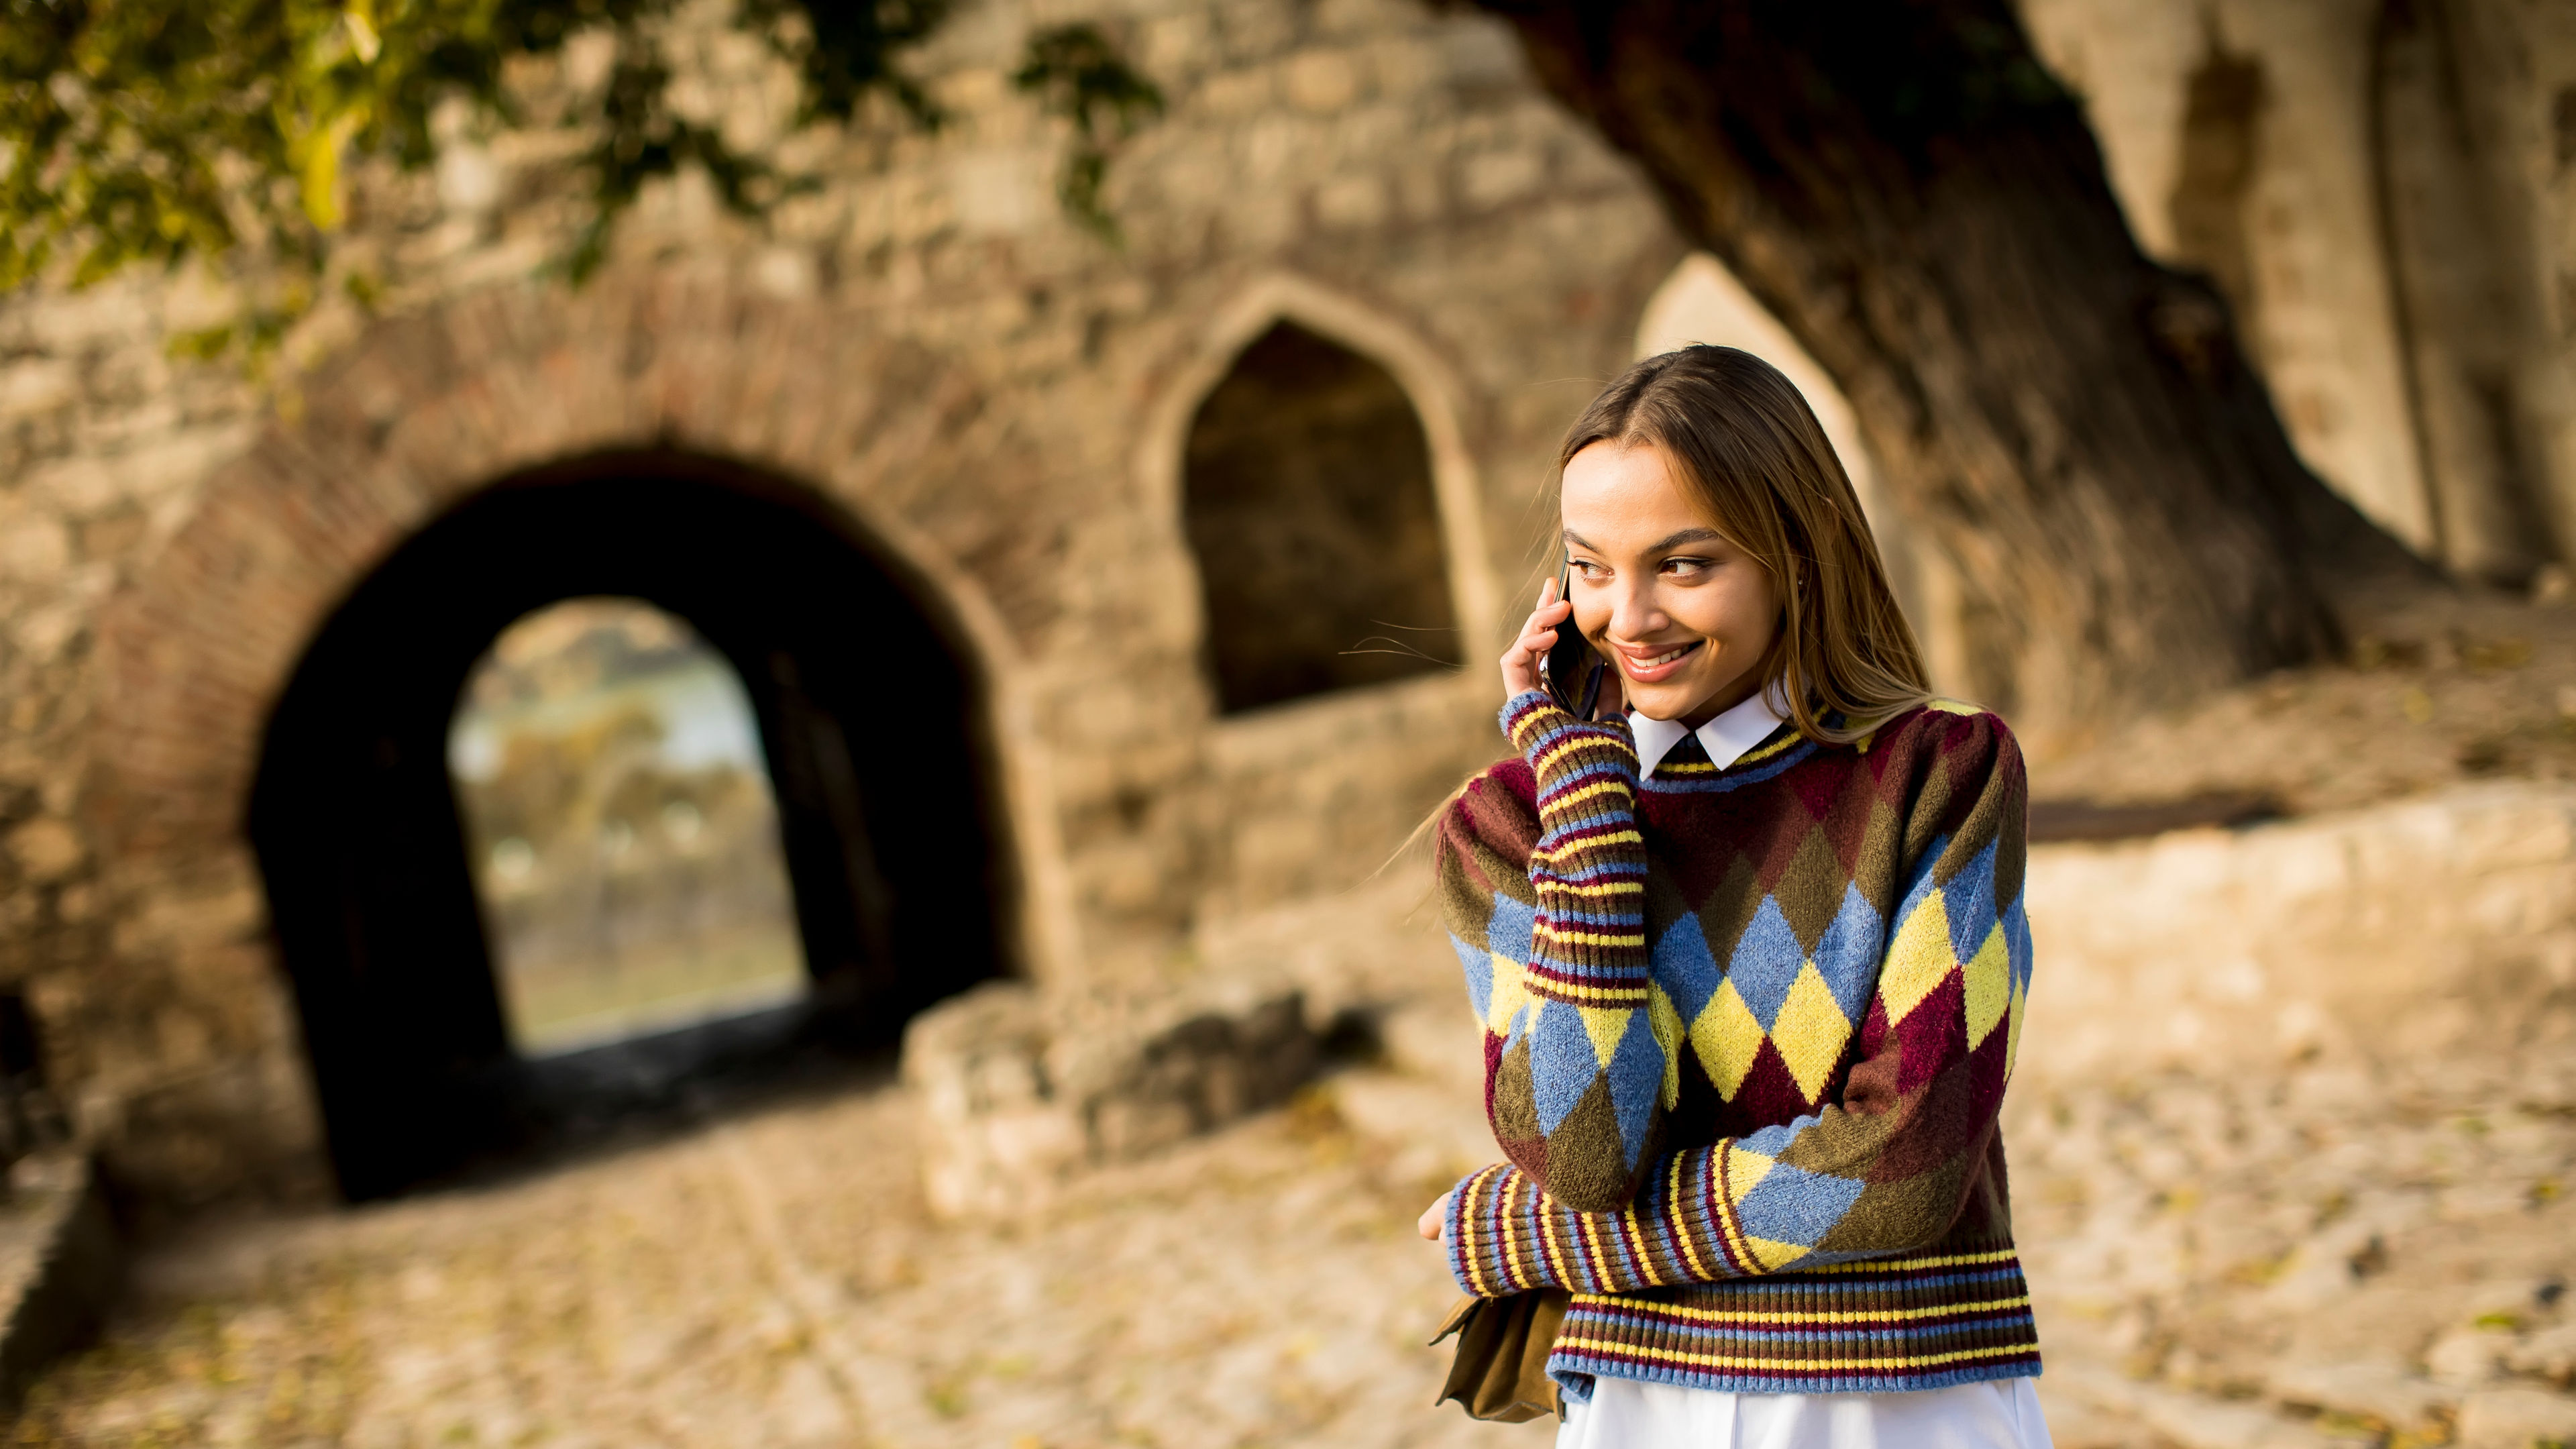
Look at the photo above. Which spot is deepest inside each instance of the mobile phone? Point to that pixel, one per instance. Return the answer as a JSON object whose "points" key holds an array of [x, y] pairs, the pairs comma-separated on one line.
{"points": [[1573, 669]]}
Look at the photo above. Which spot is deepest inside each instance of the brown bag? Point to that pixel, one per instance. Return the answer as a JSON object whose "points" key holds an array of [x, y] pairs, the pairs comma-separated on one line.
{"points": [[1503, 1343]]}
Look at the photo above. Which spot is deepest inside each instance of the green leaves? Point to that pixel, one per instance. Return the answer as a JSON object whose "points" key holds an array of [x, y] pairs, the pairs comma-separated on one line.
{"points": [[847, 51], [1078, 76], [100, 106], [138, 132], [160, 130], [640, 139]]}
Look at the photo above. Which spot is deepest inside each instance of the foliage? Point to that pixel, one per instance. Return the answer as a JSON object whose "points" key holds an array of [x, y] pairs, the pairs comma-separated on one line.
{"points": [[1080, 77], [847, 51], [139, 132]]}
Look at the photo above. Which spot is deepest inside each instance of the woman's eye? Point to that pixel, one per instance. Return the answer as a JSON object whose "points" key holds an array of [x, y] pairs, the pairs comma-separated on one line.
{"points": [[1589, 570], [1685, 565]]}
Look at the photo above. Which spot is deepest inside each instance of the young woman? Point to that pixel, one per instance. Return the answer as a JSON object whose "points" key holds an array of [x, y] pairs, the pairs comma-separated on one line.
{"points": [[1750, 955]]}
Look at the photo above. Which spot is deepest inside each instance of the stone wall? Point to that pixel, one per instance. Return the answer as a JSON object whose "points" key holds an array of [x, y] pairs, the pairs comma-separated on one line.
{"points": [[2416, 932], [988, 394], [2388, 195]]}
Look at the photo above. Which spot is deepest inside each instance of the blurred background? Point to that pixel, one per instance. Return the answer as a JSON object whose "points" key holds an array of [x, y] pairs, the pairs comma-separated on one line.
{"points": [[710, 710], [608, 767]]}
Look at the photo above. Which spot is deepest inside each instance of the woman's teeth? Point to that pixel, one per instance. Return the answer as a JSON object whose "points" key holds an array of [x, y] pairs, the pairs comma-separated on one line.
{"points": [[1661, 660]]}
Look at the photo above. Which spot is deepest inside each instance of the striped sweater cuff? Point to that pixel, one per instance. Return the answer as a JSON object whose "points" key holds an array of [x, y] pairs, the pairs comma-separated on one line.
{"points": [[1506, 1236], [1589, 865]]}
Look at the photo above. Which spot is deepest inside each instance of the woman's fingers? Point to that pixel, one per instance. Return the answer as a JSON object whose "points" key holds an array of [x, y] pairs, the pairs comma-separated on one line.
{"points": [[1538, 635], [1434, 1220], [1538, 638]]}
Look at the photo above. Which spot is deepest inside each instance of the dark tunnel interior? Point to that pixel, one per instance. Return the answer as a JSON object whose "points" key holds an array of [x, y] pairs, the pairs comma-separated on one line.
{"points": [[869, 715]]}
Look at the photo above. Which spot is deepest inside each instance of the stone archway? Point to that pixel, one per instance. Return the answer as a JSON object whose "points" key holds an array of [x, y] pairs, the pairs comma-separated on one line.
{"points": [[872, 734], [193, 656]]}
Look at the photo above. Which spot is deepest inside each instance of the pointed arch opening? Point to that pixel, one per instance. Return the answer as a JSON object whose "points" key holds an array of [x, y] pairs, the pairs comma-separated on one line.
{"points": [[1308, 499]]}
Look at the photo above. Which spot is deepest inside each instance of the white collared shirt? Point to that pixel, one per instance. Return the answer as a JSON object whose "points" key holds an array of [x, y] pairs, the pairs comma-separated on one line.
{"points": [[1726, 737]]}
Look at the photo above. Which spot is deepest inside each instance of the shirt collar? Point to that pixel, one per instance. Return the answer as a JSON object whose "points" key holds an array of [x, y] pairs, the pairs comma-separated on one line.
{"points": [[1726, 737]]}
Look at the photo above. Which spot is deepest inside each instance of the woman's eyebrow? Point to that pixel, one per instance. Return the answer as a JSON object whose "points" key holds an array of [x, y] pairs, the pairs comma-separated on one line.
{"points": [[1673, 540]]}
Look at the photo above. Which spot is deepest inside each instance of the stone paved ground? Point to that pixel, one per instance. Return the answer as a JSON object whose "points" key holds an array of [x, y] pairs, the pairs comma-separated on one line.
{"points": [[2323, 1259], [771, 1279], [2304, 1256]]}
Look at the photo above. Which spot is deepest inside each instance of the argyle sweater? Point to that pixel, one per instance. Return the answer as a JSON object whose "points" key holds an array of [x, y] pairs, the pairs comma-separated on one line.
{"points": [[1746, 1033]]}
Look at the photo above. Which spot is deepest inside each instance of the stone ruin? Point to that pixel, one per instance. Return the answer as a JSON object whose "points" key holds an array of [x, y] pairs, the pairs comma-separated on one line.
{"points": [[1098, 603]]}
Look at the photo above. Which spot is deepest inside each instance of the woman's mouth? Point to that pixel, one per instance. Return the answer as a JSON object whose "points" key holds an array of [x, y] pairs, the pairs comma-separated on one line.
{"points": [[1652, 668]]}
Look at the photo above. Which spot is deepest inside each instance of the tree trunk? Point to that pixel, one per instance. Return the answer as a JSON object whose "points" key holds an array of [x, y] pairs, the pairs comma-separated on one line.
{"points": [[2072, 426]]}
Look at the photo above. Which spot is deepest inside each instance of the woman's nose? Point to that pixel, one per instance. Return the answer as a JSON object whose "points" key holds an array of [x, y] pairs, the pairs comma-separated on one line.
{"points": [[1633, 614]]}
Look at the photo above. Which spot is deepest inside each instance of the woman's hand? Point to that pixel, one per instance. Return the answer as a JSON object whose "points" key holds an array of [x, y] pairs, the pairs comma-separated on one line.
{"points": [[1521, 661], [1434, 1220]]}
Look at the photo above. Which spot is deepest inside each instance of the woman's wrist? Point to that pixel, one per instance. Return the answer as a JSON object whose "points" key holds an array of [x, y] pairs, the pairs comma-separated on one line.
{"points": [[1455, 1237], [1528, 699], [1540, 729]]}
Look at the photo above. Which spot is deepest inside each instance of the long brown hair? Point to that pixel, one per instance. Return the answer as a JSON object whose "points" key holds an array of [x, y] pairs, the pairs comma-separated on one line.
{"points": [[1744, 446]]}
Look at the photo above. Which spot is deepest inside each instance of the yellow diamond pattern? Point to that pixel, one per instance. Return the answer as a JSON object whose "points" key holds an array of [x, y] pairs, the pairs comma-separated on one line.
{"points": [[1775, 1256], [1744, 1168], [1917, 959], [1989, 987], [1666, 1020], [1605, 1025], [1810, 1031], [1726, 1036], [1511, 991], [2012, 1032]]}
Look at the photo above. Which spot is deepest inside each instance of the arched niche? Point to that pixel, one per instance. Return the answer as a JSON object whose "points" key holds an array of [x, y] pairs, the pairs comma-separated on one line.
{"points": [[1306, 493], [1373, 378], [870, 716]]}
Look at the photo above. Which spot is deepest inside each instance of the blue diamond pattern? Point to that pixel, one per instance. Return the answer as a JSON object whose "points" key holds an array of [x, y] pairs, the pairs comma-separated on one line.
{"points": [[1682, 964], [1480, 976], [1792, 1206], [1636, 1083], [1562, 1065], [1921, 887], [1508, 929], [2017, 942], [1970, 897], [1849, 952], [1766, 962]]}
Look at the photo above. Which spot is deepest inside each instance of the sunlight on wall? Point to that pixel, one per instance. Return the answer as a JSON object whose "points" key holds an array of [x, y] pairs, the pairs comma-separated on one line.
{"points": [[1702, 302], [625, 840]]}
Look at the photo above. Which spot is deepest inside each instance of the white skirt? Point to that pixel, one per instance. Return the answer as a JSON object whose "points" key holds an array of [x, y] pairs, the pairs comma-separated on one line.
{"points": [[1628, 1414]]}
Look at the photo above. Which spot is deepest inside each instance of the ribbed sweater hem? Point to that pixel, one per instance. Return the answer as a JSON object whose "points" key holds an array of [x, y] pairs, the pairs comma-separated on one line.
{"points": [[1957, 1314], [1575, 1372]]}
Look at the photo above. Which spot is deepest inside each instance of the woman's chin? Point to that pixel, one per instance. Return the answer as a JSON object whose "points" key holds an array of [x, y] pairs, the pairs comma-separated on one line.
{"points": [[1668, 700]]}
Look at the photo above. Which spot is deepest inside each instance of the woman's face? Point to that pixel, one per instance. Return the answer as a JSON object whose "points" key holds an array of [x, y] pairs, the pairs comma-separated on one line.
{"points": [[1683, 615]]}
